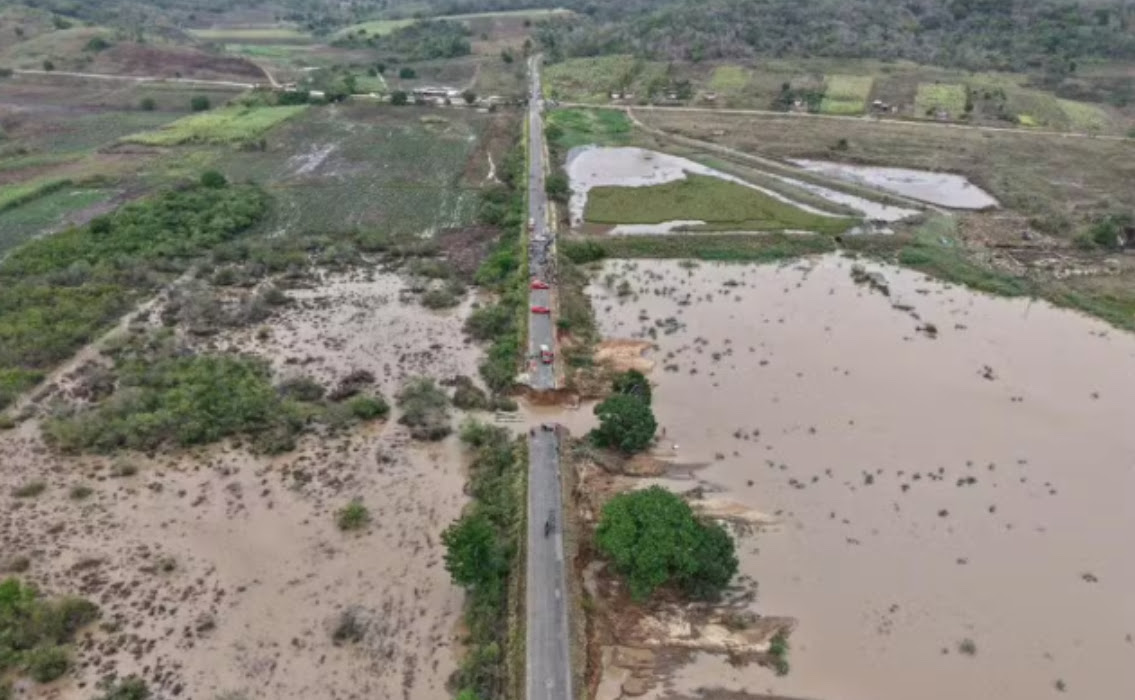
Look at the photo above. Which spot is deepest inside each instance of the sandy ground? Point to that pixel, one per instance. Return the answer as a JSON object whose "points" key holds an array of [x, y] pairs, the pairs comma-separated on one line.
{"points": [[969, 481], [218, 571]]}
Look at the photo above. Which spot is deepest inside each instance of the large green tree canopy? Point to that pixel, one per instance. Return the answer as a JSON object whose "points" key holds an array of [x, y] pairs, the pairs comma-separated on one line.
{"points": [[654, 539]]}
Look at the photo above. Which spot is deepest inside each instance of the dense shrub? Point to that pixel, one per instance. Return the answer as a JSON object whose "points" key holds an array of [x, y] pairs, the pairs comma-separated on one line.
{"points": [[632, 383], [481, 552], [58, 292], [653, 538], [184, 400], [626, 423], [33, 631], [425, 409]]}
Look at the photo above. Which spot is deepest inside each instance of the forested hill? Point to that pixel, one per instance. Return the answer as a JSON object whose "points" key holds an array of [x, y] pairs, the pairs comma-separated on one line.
{"points": [[977, 34]]}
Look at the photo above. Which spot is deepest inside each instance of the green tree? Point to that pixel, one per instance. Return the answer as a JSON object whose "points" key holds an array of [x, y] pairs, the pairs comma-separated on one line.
{"points": [[557, 187], [48, 65], [213, 179], [653, 538], [147, 104], [407, 73], [469, 96], [199, 103], [633, 383], [399, 98], [626, 423], [473, 556]]}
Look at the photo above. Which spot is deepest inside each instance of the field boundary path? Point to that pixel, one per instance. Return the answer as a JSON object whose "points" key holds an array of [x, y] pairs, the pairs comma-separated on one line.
{"points": [[845, 118], [138, 78], [548, 639]]}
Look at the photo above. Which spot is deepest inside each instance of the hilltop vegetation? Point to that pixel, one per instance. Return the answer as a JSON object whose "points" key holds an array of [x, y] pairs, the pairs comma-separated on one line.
{"points": [[975, 34]]}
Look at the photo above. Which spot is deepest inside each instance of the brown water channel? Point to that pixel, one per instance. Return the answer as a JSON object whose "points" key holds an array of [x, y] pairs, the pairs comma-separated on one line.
{"points": [[974, 485]]}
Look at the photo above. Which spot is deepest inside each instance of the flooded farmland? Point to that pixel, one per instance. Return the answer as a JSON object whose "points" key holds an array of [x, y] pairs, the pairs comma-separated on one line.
{"points": [[950, 473], [221, 572], [943, 189], [593, 166]]}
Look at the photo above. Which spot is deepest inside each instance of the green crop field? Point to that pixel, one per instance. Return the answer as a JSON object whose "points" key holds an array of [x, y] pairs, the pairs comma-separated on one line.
{"points": [[594, 79], [43, 213], [225, 125], [281, 52], [1082, 116], [723, 205], [847, 94], [250, 34], [368, 166], [934, 96], [729, 79], [12, 196], [568, 128], [380, 27]]}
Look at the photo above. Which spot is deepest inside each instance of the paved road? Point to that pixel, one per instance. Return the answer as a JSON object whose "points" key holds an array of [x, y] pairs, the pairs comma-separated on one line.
{"points": [[548, 640], [541, 241]]}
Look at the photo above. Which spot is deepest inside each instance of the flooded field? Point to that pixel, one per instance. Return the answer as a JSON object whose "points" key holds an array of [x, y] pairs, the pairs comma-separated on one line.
{"points": [[594, 166], [943, 189], [219, 571], [950, 473]]}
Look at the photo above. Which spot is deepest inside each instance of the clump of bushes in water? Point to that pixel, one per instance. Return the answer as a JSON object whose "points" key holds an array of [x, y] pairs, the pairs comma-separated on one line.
{"points": [[481, 557], [34, 632], [626, 422], [425, 409], [654, 540]]}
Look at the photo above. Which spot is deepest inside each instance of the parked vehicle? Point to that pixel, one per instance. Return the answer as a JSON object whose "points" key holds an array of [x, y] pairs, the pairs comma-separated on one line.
{"points": [[541, 310], [546, 355], [537, 284]]}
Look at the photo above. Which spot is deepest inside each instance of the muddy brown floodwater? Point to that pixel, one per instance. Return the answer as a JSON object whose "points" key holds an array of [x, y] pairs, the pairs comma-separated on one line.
{"points": [[967, 481], [220, 571]]}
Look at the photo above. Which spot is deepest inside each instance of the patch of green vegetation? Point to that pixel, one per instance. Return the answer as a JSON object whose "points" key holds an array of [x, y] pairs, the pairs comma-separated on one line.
{"points": [[12, 196], [30, 489], [425, 409], [353, 516], [722, 204], [736, 248], [231, 124], [481, 556], [626, 423], [1082, 116], [595, 79], [729, 79], [19, 224], [34, 632], [568, 128], [184, 401], [503, 272], [281, 52], [778, 650], [935, 252], [654, 539], [846, 94], [932, 97], [57, 293], [130, 688], [248, 34], [425, 193]]}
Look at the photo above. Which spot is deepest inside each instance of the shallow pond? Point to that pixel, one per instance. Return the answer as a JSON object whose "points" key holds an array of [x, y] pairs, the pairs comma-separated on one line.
{"points": [[943, 189], [974, 485], [594, 166]]}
